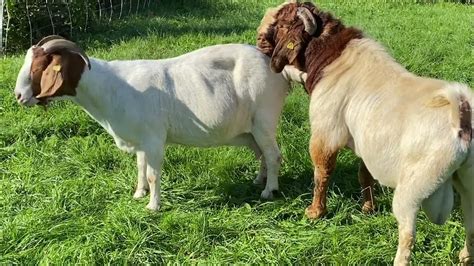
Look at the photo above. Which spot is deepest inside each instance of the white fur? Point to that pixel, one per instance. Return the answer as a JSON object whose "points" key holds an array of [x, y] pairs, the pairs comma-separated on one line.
{"points": [[405, 128], [219, 95]]}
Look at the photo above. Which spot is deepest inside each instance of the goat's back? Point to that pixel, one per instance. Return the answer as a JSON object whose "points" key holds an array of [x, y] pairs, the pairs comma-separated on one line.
{"points": [[208, 96]]}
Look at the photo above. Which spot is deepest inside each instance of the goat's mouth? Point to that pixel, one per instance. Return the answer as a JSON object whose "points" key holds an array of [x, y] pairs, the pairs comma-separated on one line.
{"points": [[28, 102]]}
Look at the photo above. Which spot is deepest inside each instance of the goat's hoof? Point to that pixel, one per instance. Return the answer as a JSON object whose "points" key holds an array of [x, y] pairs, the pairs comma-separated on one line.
{"points": [[368, 207], [314, 213], [260, 180], [140, 193], [153, 207], [268, 194]]}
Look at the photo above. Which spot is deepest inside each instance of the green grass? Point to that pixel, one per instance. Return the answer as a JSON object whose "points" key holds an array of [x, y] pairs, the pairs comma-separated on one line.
{"points": [[66, 190]]}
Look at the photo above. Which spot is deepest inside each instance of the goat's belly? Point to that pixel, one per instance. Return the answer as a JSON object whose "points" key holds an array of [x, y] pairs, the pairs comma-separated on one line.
{"points": [[201, 139], [381, 163], [208, 132], [124, 144]]}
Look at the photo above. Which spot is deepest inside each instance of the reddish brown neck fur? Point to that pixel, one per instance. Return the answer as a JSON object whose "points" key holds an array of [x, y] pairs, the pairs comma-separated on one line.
{"points": [[322, 51]]}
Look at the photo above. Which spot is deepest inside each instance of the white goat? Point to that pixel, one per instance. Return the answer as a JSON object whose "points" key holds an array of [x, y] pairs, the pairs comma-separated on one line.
{"points": [[219, 95], [414, 134]]}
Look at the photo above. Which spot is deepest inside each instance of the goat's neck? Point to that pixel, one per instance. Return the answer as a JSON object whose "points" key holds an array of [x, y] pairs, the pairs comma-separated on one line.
{"points": [[113, 102], [324, 50], [356, 56], [95, 91]]}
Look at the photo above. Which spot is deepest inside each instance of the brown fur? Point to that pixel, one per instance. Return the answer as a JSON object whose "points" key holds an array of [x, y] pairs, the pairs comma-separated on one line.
{"points": [[40, 62], [324, 162], [55, 74], [465, 113], [324, 50], [313, 53]]}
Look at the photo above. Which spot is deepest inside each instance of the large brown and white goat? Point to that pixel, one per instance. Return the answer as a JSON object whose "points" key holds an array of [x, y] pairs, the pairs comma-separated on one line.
{"points": [[414, 134], [218, 95]]}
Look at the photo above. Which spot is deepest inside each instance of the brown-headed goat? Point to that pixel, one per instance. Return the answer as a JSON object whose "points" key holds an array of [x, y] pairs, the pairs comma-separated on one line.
{"points": [[414, 134]]}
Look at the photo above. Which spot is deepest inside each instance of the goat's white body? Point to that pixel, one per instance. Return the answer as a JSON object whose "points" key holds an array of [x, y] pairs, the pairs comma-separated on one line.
{"points": [[404, 127], [204, 98], [219, 95]]}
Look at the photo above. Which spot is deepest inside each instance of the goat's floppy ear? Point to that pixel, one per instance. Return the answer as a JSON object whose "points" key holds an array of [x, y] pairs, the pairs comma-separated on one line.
{"points": [[52, 79], [62, 75], [284, 54], [279, 60]]}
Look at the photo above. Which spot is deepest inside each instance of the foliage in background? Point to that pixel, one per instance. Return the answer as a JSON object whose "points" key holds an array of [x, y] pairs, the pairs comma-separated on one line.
{"points": [[25, 22]]}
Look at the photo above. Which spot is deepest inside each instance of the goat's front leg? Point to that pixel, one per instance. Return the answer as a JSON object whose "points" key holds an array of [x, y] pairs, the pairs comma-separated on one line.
{"points": [[154, 165], [142, 183], [324, 161], [367, 183]]}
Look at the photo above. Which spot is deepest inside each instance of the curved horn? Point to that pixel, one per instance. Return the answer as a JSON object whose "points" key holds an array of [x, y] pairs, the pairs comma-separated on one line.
{"points": [[60, 44], [308, 19], [48, 38]]}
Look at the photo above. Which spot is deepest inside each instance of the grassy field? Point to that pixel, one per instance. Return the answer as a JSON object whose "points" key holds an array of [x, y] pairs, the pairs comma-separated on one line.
{"points": [[66, 190]]}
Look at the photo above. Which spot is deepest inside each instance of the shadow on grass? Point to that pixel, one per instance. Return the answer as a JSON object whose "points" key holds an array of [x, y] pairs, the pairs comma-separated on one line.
{"points": [[344, 182], [169, 18]]}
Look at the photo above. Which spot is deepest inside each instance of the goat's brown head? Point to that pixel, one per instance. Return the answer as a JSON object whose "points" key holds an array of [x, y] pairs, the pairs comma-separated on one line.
{"points": [[52, 68], [301, 35], [285, 32]]}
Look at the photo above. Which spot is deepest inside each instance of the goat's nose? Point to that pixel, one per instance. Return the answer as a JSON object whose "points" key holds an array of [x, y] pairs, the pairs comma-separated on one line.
{"points": [[18, 95]]}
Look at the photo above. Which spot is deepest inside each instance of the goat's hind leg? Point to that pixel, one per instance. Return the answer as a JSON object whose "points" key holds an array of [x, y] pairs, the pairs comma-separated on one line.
{"points": [[142, 183], [262, 173], [261, 177], [415, 188], [271, 160], [406, 204], [248, 140], [464, 185]]}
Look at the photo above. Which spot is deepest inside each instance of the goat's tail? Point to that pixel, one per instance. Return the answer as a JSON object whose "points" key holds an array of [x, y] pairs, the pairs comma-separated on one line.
{"points": [[461, 100]]}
